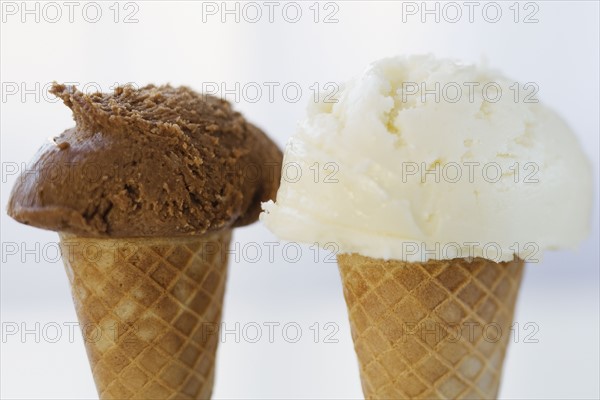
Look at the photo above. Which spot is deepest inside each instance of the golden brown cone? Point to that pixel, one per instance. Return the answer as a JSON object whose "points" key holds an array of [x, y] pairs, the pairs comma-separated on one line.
{"points": [[430, 330], [150, 310]]}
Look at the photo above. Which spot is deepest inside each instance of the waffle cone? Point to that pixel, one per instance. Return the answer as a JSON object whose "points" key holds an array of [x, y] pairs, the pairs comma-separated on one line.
{"points": [[431, 330], [150, 310]]}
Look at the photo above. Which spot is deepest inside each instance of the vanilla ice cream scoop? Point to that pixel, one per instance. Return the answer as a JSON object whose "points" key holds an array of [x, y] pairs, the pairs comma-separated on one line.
{"points": [[420, 158]]}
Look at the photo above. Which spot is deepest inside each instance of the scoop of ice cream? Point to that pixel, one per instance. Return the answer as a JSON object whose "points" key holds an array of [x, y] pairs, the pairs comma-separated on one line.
{"points": [[422, 158], [154, 161]]}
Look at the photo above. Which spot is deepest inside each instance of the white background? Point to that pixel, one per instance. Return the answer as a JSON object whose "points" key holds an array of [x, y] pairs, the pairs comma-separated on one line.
{"points": [[171, 43]]}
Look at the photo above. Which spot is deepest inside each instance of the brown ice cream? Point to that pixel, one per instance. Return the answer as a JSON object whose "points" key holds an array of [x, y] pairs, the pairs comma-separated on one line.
{"points": [[154, 179], [155, 161]]}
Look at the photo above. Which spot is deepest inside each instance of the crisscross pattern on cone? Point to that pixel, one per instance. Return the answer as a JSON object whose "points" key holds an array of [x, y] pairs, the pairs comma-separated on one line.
{"points": [[149, 309], [430, 330]]}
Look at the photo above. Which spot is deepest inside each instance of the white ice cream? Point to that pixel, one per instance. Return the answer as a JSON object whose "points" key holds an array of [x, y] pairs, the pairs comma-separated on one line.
{"points": [[360, 174]]}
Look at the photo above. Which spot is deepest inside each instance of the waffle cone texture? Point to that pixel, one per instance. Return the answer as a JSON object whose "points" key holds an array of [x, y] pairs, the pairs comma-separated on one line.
{"points": [[431, 330], [150, 310]]}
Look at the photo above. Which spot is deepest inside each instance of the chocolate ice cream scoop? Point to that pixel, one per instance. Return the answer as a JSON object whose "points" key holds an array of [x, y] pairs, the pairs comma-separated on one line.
{"points": [[154, 161]]}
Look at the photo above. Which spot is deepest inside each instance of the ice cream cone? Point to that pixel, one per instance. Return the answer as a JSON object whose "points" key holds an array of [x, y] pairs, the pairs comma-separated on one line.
{"points": [[437, 329], [391, 196], [150, 310], [144, 192]]}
